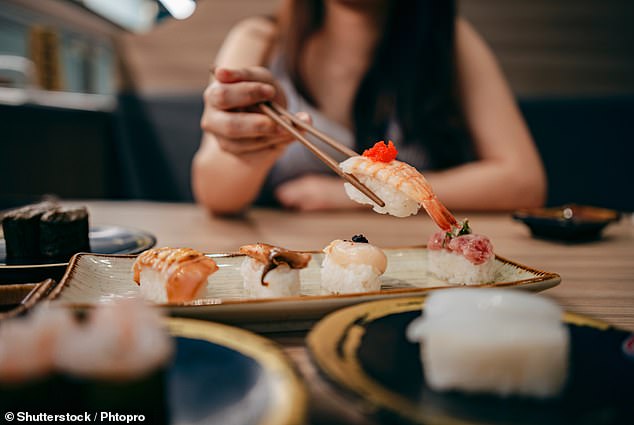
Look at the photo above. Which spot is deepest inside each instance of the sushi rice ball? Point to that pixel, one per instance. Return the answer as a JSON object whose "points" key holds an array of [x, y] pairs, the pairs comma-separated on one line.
{"points": [[269, 271], [172, 275], [352, 266], [463, 258], [400, 186], [496, 341]]}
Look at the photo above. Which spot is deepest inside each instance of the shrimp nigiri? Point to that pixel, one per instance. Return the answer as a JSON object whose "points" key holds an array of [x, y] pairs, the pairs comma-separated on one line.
{"points": [[403, 189]]}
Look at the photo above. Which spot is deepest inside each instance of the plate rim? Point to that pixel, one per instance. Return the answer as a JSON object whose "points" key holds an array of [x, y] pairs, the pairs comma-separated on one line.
{"points": [[290, 408], [339, 363], [542, 278], [151, 242]]}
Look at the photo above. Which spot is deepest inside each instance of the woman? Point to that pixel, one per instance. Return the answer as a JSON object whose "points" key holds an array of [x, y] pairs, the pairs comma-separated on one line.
{"points": [[363, 70]]}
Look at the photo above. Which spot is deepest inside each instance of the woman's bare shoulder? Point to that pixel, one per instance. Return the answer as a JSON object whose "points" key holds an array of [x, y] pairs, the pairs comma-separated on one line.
{"points": [[257, 27], [248, 43], [466, 34]]}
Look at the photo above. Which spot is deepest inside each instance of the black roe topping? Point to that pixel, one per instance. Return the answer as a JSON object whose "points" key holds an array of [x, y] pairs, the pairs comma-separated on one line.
{"points": [[359, 238]]}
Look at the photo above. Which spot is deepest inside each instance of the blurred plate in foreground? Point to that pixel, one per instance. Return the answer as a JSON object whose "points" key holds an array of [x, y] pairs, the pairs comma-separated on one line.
{"points": [[363, 349]]}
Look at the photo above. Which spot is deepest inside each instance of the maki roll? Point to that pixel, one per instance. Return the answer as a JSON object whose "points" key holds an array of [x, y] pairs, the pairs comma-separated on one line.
{"points": [[117, 359], [269, 271], [461, 257], [29, 380], [114, 360], [496, 341], [45, 231], [172, 274], [64, 232], [21, 228], [352, 266]]}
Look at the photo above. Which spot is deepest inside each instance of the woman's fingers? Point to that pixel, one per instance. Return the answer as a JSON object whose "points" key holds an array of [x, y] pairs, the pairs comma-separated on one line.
{"points": [[237, 125], [238, 95], [244, 146], [244, 125], [258, 74], [235, 75]]}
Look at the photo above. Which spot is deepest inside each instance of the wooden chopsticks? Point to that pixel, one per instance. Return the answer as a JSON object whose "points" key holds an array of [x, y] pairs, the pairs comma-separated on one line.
{"points": [[280, 115]]}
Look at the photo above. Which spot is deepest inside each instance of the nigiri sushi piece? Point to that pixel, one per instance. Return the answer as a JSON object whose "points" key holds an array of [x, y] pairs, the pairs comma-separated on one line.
{"points": [[27, 344], [495, 341], [351, 266], [461, 257], [172, 275], [403, 189], [119, 341], [270, 271]]}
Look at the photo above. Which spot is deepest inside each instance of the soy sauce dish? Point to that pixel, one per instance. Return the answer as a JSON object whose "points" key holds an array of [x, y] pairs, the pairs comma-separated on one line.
{"points": [[569, 223]]}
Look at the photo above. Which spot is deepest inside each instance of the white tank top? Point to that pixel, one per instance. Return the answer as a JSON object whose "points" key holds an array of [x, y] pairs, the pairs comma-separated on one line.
{"points": [[297, 160]]}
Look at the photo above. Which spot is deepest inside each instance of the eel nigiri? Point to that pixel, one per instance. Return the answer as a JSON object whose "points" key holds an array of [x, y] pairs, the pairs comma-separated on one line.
{"points": [[270, 271]]}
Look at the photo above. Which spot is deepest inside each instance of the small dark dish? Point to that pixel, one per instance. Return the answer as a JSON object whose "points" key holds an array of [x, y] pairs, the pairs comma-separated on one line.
{"points": [[103, 239], [570, 223]]}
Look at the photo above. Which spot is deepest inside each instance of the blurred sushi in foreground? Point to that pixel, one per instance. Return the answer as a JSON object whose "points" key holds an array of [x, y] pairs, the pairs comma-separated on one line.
{"points": [[461, 257], [403, 189], [172, 275], [270, 271], [115, 359], [496, 341], [352, 266]]}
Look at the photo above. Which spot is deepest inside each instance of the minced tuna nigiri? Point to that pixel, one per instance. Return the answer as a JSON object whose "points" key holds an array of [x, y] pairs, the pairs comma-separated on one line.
{"points": [[172, 274], [461, 256]]}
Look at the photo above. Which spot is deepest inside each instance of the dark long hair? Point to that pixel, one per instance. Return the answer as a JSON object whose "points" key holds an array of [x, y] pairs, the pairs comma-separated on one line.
{"points": [[411, 79]]}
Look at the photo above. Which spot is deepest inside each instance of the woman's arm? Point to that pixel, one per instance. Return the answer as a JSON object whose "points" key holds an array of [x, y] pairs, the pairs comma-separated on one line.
{"points": [[509, 173], [238, 147]]}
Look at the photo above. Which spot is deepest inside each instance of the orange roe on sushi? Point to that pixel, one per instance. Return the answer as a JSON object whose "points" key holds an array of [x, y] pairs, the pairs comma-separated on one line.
{"points": [[381, 152]]}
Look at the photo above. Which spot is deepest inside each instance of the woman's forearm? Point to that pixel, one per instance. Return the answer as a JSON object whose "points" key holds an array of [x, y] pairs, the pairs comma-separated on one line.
{"points": [[488, 185], [225, 183]]}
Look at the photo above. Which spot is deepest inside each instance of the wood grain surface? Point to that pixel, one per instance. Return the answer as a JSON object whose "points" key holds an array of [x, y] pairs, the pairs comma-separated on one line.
{"points": [[597, 277]]}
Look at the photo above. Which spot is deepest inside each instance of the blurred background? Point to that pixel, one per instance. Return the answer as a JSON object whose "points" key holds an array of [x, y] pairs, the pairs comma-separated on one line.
{"points": [[102, 98]]}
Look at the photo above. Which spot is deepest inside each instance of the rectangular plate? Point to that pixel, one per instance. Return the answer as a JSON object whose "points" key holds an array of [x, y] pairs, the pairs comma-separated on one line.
{"points": [[94, 278]]}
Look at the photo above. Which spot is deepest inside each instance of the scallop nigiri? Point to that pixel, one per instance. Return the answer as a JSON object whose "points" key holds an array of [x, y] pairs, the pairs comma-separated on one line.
{"points": [[403, 189], [171, 275], [270, 271], [352, 266]]}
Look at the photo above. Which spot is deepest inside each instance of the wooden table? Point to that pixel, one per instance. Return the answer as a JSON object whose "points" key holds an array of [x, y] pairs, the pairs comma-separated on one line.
{"points": [[597, 277]]}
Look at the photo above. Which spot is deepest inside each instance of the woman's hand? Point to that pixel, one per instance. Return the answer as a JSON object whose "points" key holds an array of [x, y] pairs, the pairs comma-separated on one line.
{"points": [[315, 192], [230, 113]]}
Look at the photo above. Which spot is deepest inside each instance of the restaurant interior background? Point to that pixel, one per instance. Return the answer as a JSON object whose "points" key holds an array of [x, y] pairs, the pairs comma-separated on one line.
{"points": [[96, 102]]}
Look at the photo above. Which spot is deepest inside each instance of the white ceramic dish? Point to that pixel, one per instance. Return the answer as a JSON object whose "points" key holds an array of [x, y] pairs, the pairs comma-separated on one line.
{"points": [[92, 279]]}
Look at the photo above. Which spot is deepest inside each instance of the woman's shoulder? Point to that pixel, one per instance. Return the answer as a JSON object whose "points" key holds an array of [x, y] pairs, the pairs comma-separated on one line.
{"points": [[249, 42], [468, 38], [258, 27]]}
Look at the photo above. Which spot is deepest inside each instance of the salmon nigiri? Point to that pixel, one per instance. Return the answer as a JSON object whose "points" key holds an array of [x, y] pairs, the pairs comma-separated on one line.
{"points": [[172, 275]]}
